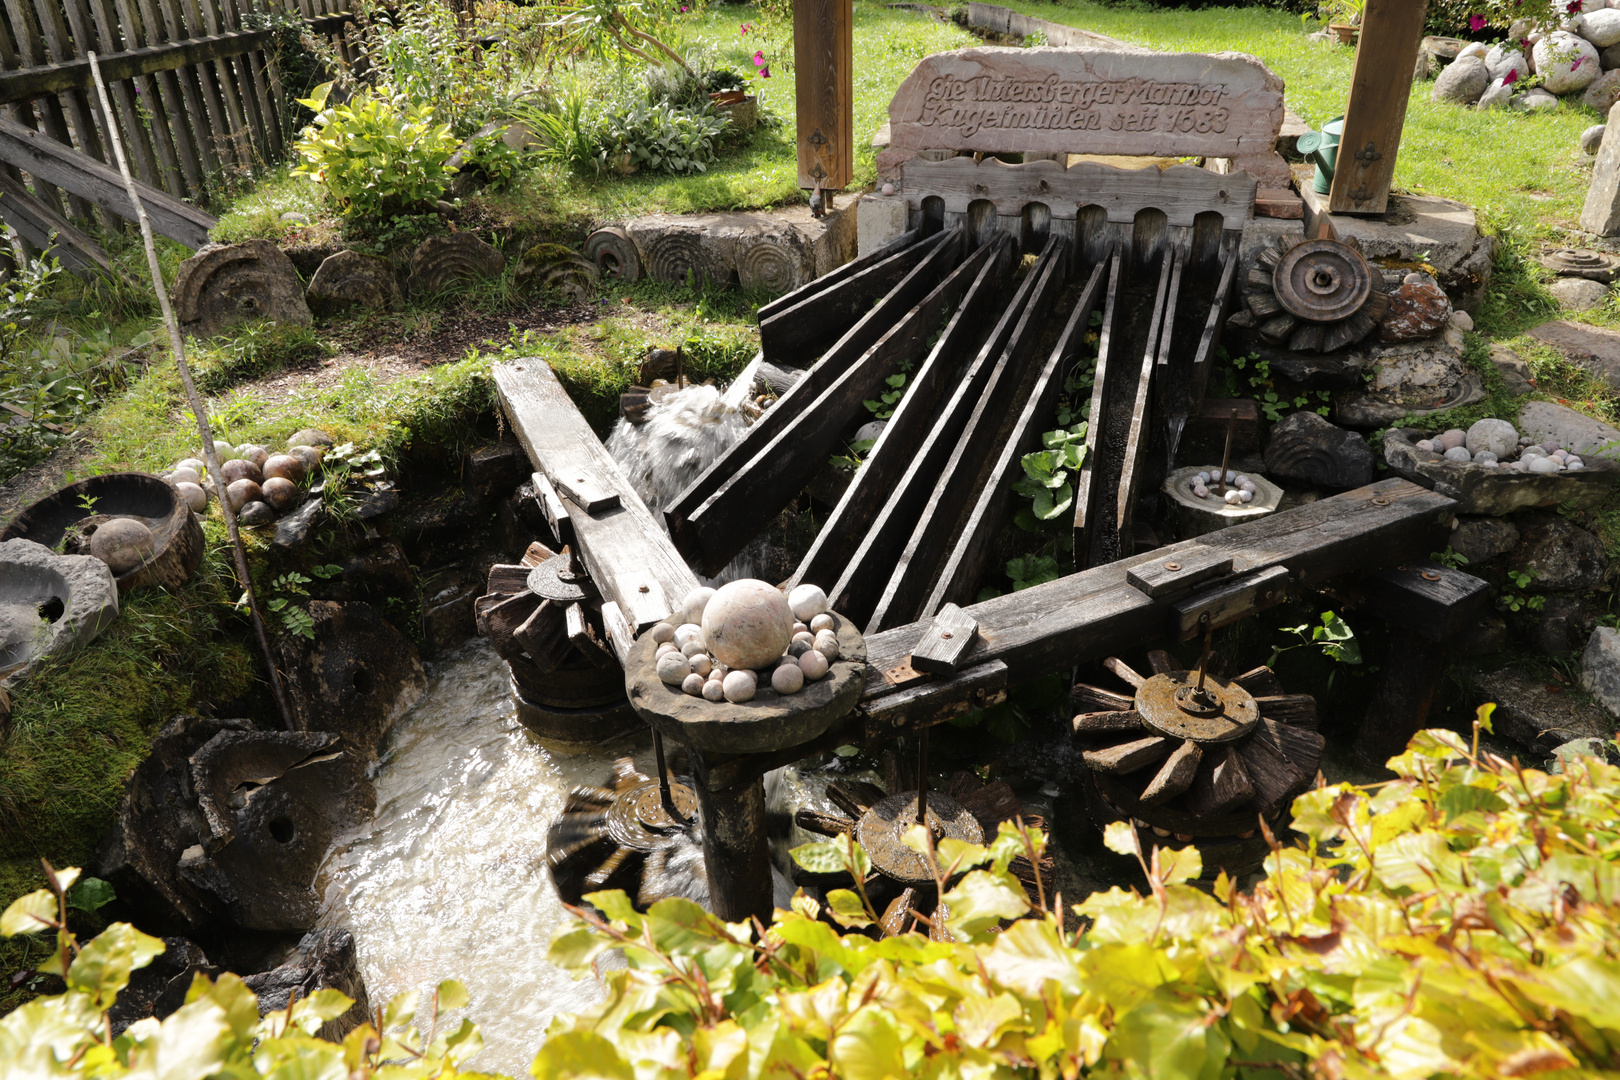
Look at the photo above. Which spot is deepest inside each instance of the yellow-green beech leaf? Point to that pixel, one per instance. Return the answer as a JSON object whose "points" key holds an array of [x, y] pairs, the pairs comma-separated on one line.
{"points": [[846, 906], [982, 900], [1120, 837], [29, 914], [102, 967]]}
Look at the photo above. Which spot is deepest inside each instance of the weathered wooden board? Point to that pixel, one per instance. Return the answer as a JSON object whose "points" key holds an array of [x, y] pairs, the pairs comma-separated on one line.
{"points": [[824, 85], [629, 557], [1187, 570], [1432, 601], [948, 639], [47, 230], [1085, 481], [1136, 438], [1380, 87]]}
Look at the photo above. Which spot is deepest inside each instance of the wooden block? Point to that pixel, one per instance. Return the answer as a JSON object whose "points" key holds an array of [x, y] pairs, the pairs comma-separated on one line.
{"points": [[1095, 699], [501, 619], [1128, 757], [823, 79], [1176, 775], [1112, 722], [538, 553], [1289, 708], [556, 512], [1230, 601], [1280, 203], [585, 492], [1162, 662], [544, 636], [854, 797], [948, 639], [1433, 601], [825, 824], [1301, 746], [1274, 777], [619, 634], [1380, 88], [1164, 577], [1260, 682], [582, 635], [508, 578], [1222, 788], [1124, 671]]}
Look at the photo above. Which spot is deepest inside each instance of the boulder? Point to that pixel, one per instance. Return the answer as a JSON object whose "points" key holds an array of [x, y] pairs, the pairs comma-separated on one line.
{"points": [[323, 960], [1416, 311], [1592, 138], [50, 603], [1535, 712], [1307, 449], [1468, 279], [1474, 49], [1604, 91], [1580, 434], [1610, 58], [1601, 27], [1600, 668], [350, 279], [1481, 539], [1512, 367], [159, 988], [225, 285], [1503, 60], [294, 529], [547, 266], [1566, 63], [1563, 624], [1534, 101], [1578, 294], [1559, 555], [1498, 95], [1463, 81], [1590, 347], [356, 677]]}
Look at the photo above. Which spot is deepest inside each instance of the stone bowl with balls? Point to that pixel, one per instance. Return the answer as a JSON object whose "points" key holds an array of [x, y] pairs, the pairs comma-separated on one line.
{"points": [[747, 669]]}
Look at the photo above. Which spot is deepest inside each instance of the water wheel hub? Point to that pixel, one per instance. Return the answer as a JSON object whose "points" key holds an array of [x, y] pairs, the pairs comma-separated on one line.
{"points": [[561, 578], [638, 820], [1323, 281], [880, 830], [1173, 704]]}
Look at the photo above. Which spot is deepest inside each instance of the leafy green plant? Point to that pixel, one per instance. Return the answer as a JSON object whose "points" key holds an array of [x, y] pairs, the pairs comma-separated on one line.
{"points": [[376, 155], [614, 30], [1451, 560], [660, 137], [1333, 636], [288, 600], [1512, 597], [1264, 388], [1028, 570], [415, 49], [1046, 473], [883, 407], [500, 165]]}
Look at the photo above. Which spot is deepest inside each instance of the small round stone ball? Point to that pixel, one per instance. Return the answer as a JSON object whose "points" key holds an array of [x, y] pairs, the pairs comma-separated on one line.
{"points": [[787, 679], [694, 603], [1246, 495], [279, 493], [223, 450], [739, 686], [307, 456], [673, 668], [240, 469], [122, 543], [827, 644], [747, 624], [693, 684], [798, 648], [1453, 438], [1497, 436], [253, 452], [184, 475], [806, 638], [821, 622], [1544, 465], [286, 467], [687, 633], [1202, 478], [196, 465], [1201, 491], [814, 664], [701, 663], [242, 492], [194, 495], [714, 690], [1233, 496], [1460, 454], [662, 632], [692, 648], [800, 628], [1574, 463], [807, 601], [1425, 444], [1485, 457]]}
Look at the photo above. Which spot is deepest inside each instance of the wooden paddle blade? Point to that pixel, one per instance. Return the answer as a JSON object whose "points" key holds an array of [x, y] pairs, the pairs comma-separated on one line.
{"points": [[1162, 662], [1176, 775], [1260, 682], [1108, 723], [1124, 671], [1088, 698], [1220, 786], [897, 913], [1130, 756]]}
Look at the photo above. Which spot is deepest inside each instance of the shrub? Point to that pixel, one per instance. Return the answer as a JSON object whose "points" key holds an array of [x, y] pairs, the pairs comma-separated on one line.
{"points": [[416, 49], [377, 156]]}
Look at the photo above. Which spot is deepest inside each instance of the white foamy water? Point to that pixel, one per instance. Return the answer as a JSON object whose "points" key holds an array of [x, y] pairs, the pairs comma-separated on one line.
{"points": [[683, 436], [450, 880]]}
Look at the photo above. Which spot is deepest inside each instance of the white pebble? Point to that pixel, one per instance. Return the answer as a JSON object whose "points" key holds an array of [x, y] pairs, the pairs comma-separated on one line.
{"points": [[666, 649], [693, 684], [662, 632], [1233, 496], [1241, 480], [1454, 437], [714, 690], [806, 638], [1544, 465], [686, 633], [195, 496], [1522, 465], [183, 476], [701, 664], [1484, 457], [814, 664], [1247, 495], [801, 628], [1248, 485], [787, 679], [673, 668], [194, 464], [1574, 463], [807, 601], [1201, 491], [821, 622], [1425, 444], [719, 671], [1231, 477], [739, 686], [696, 600], [827, 644], [1459, 453], [692, 648]]}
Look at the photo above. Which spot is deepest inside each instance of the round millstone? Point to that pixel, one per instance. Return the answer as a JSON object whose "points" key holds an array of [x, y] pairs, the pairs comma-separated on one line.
{"points": [[1171, 705]]}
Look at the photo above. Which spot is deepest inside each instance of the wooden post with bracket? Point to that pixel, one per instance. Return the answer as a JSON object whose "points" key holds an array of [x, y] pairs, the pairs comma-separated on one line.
{"points": [[824, 85], [1380, 87]]}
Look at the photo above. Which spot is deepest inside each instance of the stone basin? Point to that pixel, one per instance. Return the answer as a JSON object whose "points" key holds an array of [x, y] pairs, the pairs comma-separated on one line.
{"points": [[177, 539], [1483, 489], [1195, 516], [769, 722], [50, 603]]}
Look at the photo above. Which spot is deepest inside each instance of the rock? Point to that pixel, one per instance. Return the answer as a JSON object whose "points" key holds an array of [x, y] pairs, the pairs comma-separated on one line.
{"points": [[1498, 95], [224, 285], [1578, 294], [1534, 712], [870, 430], [159, 988], [1308, 449], [1593, 348], [1604, 91], [122, 543], [294, 529], [350, 279], [1512, 367], [51, 603], [1444, 48], [1474, 49], [1415, 378], [1564, 623], [1533, 101], [1502, 60], [1467, 281], [1480, 489], [747, 624], [1496, 436], [1558, 555], [310, 437], [447, 613], [357, 677], [324, 960], [494, 470], [1463, 81], [613, 252], [293, 217], [442, 261], [272, 802], [1415, 312], [558, 267], [1582, 263], [1601, 213], [377, 504], [1592, 138], [1462, 321], [1481, 539], [1610, 57], [255, 514], [1601, 27], [1600, 668], [1592, 439], [1566, 63]]}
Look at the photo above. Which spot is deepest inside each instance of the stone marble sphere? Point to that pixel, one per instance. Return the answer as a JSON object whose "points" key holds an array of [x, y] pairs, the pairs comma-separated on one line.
{"points": [[807, 601], [692, 606], [1496, 436], [240, 469], [241, 492], [286, 467], [747, 624], [122, 543], [280, 492], [195, 496]]}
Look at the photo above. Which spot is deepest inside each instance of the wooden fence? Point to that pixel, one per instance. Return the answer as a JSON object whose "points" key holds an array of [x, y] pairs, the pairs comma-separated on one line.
{"points": [[199, 99]]}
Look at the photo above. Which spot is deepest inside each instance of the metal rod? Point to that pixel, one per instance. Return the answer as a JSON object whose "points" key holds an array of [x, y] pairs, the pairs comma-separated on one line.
{"points": [[1226, 458], [664, 795], [204, 429], [922, 777], [1209, 645]]}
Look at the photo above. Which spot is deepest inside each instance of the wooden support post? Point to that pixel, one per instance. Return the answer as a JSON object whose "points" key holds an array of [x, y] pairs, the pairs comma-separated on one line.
{"points": [[736, 849], [1391, 34], [824, 85]]}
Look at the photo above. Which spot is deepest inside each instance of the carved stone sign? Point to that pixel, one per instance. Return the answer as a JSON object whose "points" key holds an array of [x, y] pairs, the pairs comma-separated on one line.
{"points": [[1090, 101]]}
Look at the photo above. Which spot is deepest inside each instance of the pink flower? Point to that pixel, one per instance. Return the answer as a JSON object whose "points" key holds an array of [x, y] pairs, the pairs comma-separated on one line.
{"points": [[1576, 66], [1574, 6], [1476, 23], [743, 28], [1511, 77], [759, 58], [765, 71]]}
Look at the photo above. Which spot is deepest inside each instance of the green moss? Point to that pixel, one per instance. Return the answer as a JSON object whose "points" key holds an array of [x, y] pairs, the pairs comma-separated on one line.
{"points": [[257, 214]]}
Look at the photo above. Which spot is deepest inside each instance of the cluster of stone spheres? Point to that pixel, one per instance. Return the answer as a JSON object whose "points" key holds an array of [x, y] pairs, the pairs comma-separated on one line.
{"points": [[1581, 57], [1239, 488], [260, 484], [724, 642], [1493, 443]]}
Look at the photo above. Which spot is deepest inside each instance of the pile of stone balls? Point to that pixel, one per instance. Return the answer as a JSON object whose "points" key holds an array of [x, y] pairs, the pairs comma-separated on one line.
{"points": [[1239, 488], [1493, 444], [724, 642], [260, 484]]}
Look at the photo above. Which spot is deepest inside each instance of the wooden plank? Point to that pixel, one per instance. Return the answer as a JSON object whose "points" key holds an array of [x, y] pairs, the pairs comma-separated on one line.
{"points": [[556, 512], [1124, 672], [838, 275], [1274, 777], [185, 24], [585, 491], [966, 469], [65, 167], [89, 33], [949, 636], [1204, 357], [1433, 601], [1185, 571], [76, 105], [976, 687], [194, 121], [1380, 88], [582, 635], [1109, 722], [1136, 439], [628, 556], [850, 524], [1230, 601], [771, 464], [1096, 698], [1176, 775], [1260, 682], [152, 142], [1292, 708], [958, 579], [165, 103], [619, 634], [824, 91], [1128, 757], [797, 335], [1085, 480], [47, 230], [204, 19]]}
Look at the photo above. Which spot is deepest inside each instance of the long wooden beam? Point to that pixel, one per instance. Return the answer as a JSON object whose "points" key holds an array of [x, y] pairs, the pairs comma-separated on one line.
{"points": [[629, 557], [47, 230]]}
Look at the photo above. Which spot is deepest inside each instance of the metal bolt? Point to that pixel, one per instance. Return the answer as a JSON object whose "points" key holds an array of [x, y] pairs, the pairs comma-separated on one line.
{"points": [[642, 588], [1172, 566], [1431, 575], [946, 634]]}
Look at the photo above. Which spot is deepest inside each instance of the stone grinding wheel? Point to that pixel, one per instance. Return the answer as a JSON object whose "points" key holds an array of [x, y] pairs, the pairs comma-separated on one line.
{"points": [[224, 285], [555, 266], [769, 722], [1197, 767], [1314, 295], [967, 809], [621, 837]]}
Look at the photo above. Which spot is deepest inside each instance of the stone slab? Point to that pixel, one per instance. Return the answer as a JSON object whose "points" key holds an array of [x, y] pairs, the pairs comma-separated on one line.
{"points": [[34, 580], [1091, 100], [1600, 668], [1536, 713], [1601, 214], [879, 219], [1480, 489], [1591, 347], [1426, 228], [774, 251], [1576, 432]]}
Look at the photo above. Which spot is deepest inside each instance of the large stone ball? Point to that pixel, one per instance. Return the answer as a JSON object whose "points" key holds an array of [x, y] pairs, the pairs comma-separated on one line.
{"points": [[288, 468], [242, 492], [195, 495], [280, 493], [747, 624], [122, 543], [240, 469], [1497, 436]]}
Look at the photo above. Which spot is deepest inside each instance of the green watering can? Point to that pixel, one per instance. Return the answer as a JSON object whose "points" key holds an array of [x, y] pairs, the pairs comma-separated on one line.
{"points": [[1323, 146]]}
